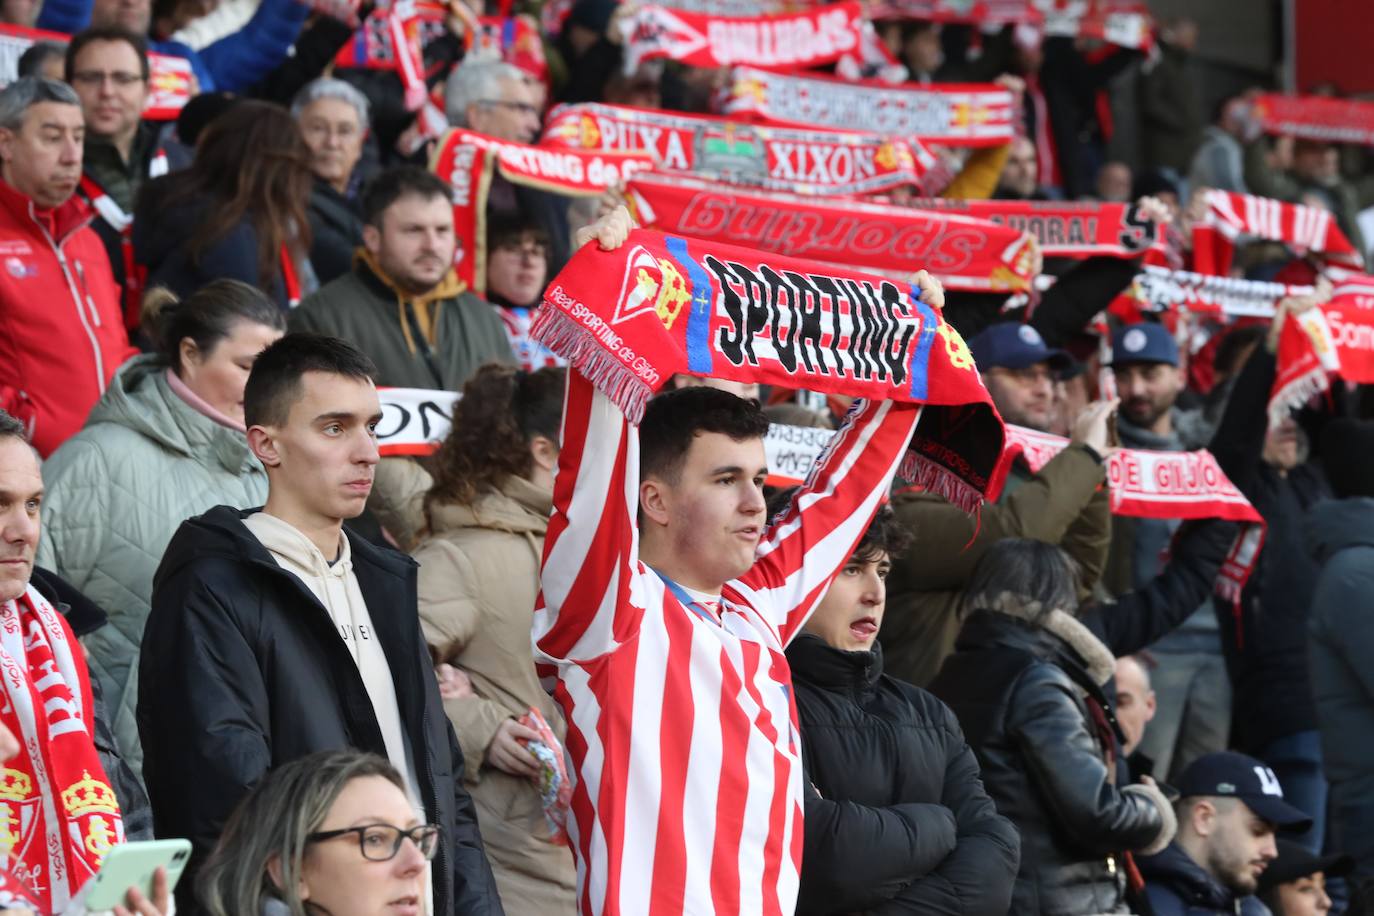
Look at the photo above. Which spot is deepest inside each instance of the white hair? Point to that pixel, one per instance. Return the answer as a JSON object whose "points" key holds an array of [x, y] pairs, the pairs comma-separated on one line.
{"points": [[327, 87], [24, 93], [476, 82]]}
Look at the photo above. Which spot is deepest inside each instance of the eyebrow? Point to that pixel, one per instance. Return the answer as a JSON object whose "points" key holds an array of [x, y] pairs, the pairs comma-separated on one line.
{"points": [[737, 469], [15, 495], [344, 415]]}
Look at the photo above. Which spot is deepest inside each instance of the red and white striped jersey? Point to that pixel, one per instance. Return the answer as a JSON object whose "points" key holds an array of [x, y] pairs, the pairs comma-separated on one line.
{"points": [[681, 722]]}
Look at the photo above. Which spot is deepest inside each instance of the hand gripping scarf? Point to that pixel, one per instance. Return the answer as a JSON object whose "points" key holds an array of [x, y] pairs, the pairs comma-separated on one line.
{"points": [[808, 161], [630, 319], [811, 38], [1304, 228], [1312, 117], [953, 114], [965, 253], [466, 160], [1167, 485], [60, 815]]}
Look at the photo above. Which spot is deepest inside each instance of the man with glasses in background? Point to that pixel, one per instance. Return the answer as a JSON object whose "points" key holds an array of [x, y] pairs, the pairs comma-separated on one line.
{"points": [[108, 68]]}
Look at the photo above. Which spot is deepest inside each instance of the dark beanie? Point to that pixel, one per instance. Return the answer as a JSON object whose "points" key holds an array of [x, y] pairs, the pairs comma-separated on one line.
{"points": [[592, 14], [197, 114], [1347, 452]]}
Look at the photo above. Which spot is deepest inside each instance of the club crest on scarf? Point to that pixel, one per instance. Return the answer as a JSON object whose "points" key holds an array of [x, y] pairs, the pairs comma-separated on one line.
{"points": [[18, 813], [95, 824], [651, 285]]}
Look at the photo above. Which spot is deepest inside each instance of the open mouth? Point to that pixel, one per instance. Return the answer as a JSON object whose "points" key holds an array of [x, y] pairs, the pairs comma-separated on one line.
{"points": [[407, 905], [864, 628]]}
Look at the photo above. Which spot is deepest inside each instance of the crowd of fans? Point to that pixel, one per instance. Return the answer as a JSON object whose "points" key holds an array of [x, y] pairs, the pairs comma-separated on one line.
{"points": [[361, 682]]}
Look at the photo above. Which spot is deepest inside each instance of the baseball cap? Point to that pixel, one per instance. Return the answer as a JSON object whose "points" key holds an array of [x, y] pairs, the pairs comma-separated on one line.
{"points": [[1297, 861], [1146, 342], [1227, 774], [1013, 345]]}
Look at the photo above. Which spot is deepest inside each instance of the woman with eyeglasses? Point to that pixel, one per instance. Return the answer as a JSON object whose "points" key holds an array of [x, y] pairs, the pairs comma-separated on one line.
{"points": [[329, 833]]}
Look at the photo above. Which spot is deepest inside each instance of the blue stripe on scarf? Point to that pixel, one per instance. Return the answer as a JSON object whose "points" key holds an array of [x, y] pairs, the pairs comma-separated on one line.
{"points": [[925, 339], [699, 318]]}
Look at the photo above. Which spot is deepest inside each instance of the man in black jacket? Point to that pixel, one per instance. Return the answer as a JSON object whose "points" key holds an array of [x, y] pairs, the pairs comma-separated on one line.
{"points": [[273, 634], [896, 817]]}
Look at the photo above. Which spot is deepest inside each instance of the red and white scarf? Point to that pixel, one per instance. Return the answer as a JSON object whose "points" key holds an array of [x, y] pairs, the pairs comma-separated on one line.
{"points": [[1066, 229], [1124, 24], [392, 38], [965, 253], [1166, 485], [1313, 117], [974, 114], [811, 38], [60, 814], [1229, 215], [785, 158], [111, 212], [466, 160], [1335, 338], [631, 318]]}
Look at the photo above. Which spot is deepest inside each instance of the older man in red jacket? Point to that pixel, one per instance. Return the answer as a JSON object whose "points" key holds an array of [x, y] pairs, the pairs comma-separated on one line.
{"points": [[61, 332]]}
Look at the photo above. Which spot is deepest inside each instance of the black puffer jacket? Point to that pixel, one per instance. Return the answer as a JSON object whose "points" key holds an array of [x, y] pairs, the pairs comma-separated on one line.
{"points": [[1022, 691], [896, 817], [336, 231], [242, 670]]}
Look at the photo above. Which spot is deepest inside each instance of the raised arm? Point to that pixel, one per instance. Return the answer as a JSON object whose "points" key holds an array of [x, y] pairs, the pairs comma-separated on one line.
{"points": [[809, 544], [590, 552]]}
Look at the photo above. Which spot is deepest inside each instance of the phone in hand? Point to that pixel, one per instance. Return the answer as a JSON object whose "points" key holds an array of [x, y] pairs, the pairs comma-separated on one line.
{"points": [[133, 865]]}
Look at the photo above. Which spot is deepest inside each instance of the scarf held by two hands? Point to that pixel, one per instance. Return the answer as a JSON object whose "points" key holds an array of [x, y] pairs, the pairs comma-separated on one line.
{"points": [[632, 318]]}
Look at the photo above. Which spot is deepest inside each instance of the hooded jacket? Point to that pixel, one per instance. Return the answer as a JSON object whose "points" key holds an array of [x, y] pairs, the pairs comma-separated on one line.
{"points": [[479, 577], [1023, 692], [897, 820], [1177, 886], [1341, 641], [241, 655], [116, 491], [361, 306], [61, 329]]}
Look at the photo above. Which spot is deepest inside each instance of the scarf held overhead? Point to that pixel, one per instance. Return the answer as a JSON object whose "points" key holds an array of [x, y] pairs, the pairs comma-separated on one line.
{"points": [[631, 319], [976, 114], [1312, 117], [783, 158], [60, 815], [467, 160], [811, 38], [1335, 338], [1229, 215], [964, 253], [1066, 229]]}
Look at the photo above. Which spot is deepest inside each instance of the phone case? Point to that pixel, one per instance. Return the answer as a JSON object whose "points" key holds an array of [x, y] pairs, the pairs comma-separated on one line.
{"points": [[132, 865]]}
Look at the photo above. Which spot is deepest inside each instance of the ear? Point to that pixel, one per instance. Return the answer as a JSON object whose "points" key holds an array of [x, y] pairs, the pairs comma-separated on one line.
{"points": [[274, 874], [188, 351], [655, 497], [264, 445], [372, 240], [544, 451], [1203, 818], [7, 139]]}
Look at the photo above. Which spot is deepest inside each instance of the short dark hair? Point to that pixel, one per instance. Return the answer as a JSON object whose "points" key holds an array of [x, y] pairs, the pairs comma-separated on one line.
{"points": [[1027, 572], [106, 33], [512, 228], [885, 534], [275, 382], [396, 182], [31, 61], [11, 428], [673, 419]]}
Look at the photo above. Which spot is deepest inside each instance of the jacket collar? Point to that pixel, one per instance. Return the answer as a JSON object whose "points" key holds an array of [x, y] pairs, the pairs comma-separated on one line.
{"points": [[59, 222], [1175, 870], [367, 267], [813, 659], [1056, 636]]}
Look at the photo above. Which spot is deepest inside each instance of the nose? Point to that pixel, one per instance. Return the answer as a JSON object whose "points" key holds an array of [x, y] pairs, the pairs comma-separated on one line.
{"points": [[71, 151], [367, 452], [410, 861], [18, 527], [875, 589], [1269, 851], [1323, 901], [753, 502]]}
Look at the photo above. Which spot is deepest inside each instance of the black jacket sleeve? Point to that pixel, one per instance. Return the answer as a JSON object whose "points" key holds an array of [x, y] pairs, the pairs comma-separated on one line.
{"points": [[1238, 441], [976, 879], [1084, 290], [857, 856], [474, 885], [1140, 617], [202, 715], [1064, 763], [314, 52]]}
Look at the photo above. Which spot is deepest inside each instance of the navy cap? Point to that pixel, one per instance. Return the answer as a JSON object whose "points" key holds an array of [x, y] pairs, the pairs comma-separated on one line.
{"points": [[1227, 774], [1297, 861], [1013, 345], [1146, 342]]}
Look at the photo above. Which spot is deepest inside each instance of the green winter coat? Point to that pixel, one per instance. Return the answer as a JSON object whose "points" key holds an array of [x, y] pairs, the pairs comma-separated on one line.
{"points": [[116, 491], [1064, 504]]}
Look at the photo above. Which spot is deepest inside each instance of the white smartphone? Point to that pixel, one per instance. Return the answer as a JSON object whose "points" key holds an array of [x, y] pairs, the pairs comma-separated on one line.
{"points": [[132, 865]]}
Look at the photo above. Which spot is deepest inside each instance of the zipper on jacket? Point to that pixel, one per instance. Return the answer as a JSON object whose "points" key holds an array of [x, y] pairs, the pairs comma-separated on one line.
{"points": [[86, 291], [76, 298]]}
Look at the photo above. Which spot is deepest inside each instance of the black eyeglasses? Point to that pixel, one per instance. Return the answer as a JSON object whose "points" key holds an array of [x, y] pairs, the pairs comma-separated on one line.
{"points": [[381, 842]]}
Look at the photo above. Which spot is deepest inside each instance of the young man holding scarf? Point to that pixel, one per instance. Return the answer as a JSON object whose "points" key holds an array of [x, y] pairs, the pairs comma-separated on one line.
{"points": [[666, 606]]}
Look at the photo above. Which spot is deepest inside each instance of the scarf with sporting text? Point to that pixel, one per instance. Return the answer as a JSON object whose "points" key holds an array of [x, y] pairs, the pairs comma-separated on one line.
{"points": [[467, 160], [786, 41], [1066, 229], [1229, 215], [806, 161], [659, 305], [964, 253], [60, 814], [953, 114], [1312, 117]]}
